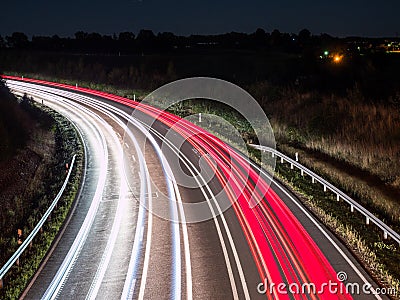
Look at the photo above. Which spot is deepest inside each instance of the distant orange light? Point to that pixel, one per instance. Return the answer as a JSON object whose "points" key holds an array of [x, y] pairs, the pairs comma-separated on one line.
{"points": [[337, 58]]}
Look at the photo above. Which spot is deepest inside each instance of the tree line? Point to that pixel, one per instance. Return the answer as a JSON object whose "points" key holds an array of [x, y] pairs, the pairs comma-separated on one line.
{"points": [[148, 41], [147, 60]]}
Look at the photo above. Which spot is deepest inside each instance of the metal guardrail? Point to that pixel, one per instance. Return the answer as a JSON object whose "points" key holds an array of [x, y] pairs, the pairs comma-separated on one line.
{"points": [[34, 232], [369, 217]]}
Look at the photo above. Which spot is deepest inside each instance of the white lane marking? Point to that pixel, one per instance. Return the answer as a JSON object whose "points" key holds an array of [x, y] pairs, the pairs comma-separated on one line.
{"points": [[122, 204], [127, 146], [220, 236], [172, 192], [145, 192], [148, 242], [321, 229], [176, 282], [176, 248], [145, 189], [189, 283]]}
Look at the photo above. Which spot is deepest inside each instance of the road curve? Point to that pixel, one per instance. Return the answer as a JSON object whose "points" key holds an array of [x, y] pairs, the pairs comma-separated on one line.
{"points": [[114, 248]]}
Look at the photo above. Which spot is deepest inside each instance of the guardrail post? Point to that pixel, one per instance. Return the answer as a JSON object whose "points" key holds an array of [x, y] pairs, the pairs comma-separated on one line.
{"points": [[19, 236], [385, 235], [352, 209], [22, 77], [199, 117], [76, 85], [281, 160], [291, 166], [134, 97], [324, 188], [302, 172], [17, 262], [337, 197], [312, 179], [367, 221], [1, 283], [297, 156]]}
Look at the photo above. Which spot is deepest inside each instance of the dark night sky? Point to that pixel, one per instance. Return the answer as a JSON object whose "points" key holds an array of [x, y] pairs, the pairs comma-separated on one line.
{"points": [[339, 18]]}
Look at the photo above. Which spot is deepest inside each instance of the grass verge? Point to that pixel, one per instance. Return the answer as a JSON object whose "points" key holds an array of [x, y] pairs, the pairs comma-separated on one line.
{"points": [[69, 143]]}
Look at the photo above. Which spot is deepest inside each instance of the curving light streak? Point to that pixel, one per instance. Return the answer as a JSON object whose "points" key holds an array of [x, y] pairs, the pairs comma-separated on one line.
{"points": [[281, 248], [176, 284], [67, 265]]}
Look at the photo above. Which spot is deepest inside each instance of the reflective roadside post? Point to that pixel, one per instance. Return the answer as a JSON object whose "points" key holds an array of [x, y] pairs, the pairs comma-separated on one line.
{"points": [[19, 233]]}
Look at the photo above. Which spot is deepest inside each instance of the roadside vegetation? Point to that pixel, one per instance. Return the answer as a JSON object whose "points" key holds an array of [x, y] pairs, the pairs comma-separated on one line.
{"points": [[32, 174], [14, 125], [353, 142]]}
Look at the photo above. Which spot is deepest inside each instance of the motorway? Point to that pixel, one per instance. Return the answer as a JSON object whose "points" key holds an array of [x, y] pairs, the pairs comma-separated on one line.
{"points": [[128, 237]]}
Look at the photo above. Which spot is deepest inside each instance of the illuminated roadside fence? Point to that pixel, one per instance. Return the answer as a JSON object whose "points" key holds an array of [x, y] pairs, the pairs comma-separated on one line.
{"points": [[14, 259], [340, 195]]}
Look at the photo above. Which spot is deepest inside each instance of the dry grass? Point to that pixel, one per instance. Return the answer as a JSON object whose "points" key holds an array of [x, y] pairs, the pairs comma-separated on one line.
{"points": [[358, 244], [345, 128], [348, 131], [371, 197]]}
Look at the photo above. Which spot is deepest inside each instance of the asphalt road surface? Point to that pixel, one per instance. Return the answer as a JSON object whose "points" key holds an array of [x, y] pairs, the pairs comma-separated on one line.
{"points": [[121, 240]]}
